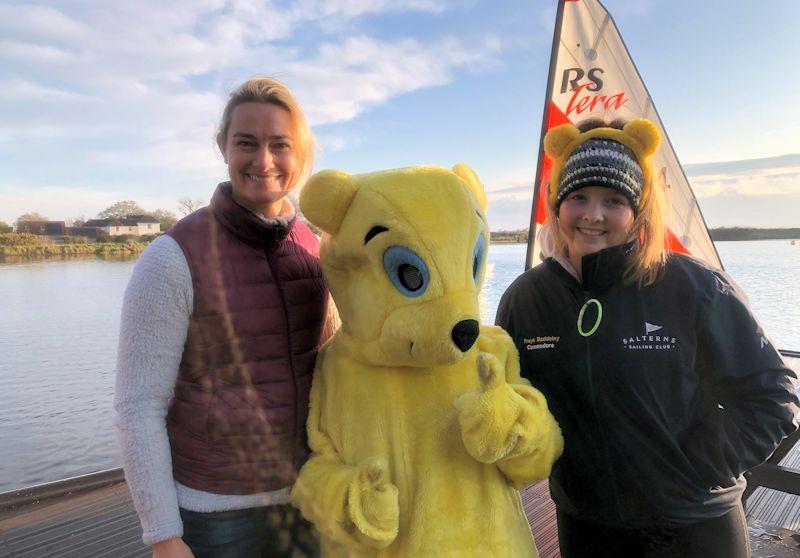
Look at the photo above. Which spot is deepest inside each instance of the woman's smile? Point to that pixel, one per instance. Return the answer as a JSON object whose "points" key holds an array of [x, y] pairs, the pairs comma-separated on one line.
{"points": [[593, 218]]}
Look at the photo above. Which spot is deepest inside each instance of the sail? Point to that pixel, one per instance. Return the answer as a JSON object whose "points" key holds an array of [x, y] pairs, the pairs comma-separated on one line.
{"points": [[591, 75]]}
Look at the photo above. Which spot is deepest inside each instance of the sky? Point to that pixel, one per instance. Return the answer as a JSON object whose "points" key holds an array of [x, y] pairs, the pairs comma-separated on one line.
{"points": [[117, 100]]}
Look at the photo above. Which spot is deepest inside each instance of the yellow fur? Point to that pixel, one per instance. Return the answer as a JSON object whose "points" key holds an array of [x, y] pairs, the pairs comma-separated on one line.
{"points": [[418, 447]]}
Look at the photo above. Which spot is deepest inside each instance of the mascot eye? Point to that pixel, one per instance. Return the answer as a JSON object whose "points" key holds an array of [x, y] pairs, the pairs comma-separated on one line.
{"points": [[406, 270], [410, 277], [477, 257]]}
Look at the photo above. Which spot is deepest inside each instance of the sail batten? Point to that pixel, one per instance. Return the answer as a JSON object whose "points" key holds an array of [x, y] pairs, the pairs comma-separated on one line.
{"points": [[592, 74]]}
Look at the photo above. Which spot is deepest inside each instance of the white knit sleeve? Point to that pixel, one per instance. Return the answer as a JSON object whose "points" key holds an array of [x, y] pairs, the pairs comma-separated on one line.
{"points": [[155, 321]]}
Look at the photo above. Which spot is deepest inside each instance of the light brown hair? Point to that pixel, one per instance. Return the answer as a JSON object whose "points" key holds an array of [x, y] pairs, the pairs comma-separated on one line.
{"points": [[271, 91]]}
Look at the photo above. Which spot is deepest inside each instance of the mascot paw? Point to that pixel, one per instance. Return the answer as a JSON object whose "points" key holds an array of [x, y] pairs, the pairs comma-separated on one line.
{"points": [[373, 504], [489, 417]]}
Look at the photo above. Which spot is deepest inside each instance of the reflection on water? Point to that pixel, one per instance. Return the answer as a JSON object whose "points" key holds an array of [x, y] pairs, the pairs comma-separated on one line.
{"points": [[59, 321], [58, 336]]}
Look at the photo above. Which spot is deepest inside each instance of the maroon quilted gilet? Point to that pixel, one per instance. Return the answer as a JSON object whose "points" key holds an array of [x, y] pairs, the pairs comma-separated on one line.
{"points": [[237, 421]]}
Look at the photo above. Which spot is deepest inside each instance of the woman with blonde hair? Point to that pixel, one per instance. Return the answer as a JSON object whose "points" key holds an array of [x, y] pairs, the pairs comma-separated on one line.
{"points": [[665, 386], [221, 322]]}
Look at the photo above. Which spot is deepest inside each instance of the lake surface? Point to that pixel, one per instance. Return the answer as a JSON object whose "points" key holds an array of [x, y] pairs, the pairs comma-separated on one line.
{"points": [[59, 322]]}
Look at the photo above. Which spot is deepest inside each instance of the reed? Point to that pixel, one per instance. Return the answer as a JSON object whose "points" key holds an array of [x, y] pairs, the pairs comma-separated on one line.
{"points": [[66, 250]]}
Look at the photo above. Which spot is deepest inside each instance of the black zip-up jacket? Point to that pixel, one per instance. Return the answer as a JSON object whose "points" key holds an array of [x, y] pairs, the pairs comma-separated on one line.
{"points": [[676, 393]]}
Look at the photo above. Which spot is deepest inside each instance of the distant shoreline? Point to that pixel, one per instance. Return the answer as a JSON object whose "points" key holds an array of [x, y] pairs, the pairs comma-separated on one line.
{"points": [[751, 233], [717, 234], [51, 251]]}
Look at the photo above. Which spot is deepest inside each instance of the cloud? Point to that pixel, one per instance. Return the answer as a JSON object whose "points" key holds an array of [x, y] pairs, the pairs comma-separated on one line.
{"points": [[345, 79], [746, 166], [19, 132], [63, 202], [129, 94], [27, 52], [753, 192], [770, 176], [39, 22], [331, 143], [734, 210], [512, 190], [21, 90], [509, 214]]}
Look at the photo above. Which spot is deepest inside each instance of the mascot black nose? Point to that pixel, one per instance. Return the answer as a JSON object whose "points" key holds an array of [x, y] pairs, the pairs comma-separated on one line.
{"points": [[465, 333]]}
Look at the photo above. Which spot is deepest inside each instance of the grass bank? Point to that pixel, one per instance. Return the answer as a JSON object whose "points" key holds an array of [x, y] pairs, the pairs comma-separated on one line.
{"points": [[748, 233], [63, 250]]}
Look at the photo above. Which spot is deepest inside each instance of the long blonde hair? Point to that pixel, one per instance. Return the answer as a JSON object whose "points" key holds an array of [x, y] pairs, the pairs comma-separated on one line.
{"points": [[269, 90], [649, 230]]}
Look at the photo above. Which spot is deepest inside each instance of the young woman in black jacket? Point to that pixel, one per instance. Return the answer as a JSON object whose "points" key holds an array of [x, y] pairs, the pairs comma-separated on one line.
{"points": [[664, 384]]}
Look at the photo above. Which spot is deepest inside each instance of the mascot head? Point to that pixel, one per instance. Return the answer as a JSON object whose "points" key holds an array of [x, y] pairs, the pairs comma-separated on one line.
{"points": [[404, 252]]}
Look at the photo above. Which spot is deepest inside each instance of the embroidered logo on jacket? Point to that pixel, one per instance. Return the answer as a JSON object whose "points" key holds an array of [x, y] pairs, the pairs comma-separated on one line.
{"points": [[648, 341], [541, 342]]}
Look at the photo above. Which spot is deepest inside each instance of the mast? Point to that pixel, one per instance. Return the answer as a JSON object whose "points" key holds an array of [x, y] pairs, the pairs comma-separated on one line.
{"points": [[545, 118]]}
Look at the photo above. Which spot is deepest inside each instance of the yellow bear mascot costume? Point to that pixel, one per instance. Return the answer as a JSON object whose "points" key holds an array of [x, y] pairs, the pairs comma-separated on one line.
{"points": [[421, 428]]}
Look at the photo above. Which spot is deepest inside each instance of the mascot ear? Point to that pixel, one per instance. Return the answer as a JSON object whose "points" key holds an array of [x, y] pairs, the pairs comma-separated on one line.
{"points": [[558, 138], [326, 197], [644, 132], [468, 175]]}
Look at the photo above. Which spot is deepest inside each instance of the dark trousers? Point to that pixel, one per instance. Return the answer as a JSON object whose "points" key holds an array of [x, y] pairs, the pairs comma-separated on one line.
{"points": [[720, 537], [271, 531]]}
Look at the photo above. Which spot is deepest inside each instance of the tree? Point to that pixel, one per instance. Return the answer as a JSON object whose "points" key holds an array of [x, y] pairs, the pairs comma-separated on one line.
{"points": [[188, 205], [166, 218], [76, 221], [5, 228], [121, 210], [33, 216]]}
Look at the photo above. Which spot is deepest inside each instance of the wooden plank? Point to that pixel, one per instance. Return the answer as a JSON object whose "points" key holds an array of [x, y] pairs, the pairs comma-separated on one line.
{"points": [[541, 514], [768, 506], [103, 523], [94, 524], [41, 492]]}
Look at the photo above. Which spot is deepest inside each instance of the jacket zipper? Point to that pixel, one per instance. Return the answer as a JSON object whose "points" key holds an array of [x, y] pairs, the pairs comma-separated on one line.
{"points": [[601, 430]]}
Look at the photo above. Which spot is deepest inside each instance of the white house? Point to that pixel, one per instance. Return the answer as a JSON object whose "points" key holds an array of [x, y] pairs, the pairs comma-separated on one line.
{"points": [[132, 224]]}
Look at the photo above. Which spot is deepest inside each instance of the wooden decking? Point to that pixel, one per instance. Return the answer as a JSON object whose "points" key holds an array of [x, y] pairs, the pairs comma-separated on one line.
{"points": [[777, 508], [103, 523], [98, 523], [541, 514]]}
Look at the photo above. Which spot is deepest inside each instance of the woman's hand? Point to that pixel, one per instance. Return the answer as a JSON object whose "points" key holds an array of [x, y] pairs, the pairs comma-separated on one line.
{"points": [[172, 548]]}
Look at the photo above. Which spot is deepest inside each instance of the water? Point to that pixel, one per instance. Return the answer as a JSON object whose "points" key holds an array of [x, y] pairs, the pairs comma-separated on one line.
{"points": [[59, 322], [769, 272]]}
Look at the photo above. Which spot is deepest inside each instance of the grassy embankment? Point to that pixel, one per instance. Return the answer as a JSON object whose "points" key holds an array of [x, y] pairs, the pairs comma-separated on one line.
{"points": [[25, 245], [747, 233]]}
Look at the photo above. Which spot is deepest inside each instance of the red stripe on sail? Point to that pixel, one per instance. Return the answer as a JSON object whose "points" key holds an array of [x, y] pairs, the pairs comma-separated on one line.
{"points": [[676, 245], [554, 118]]}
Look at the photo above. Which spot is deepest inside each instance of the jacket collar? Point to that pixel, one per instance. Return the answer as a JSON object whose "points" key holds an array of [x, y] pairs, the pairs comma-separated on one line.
{"points": [[605, 268], [246, 225], [600, 270]]}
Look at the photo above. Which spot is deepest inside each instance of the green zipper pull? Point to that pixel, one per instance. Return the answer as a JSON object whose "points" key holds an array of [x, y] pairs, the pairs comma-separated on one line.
{"points": [[596, 323]]}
